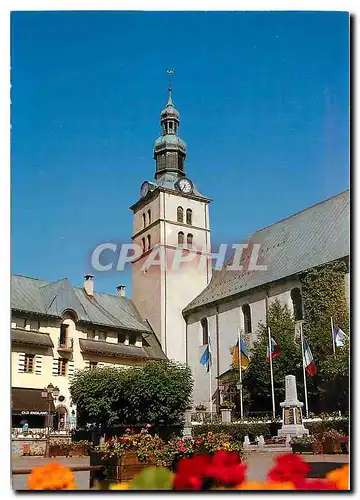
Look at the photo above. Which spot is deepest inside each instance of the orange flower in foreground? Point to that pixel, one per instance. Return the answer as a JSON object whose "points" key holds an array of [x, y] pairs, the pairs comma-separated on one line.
{"points": [[51, 476], [340, 477], [266, 485]]}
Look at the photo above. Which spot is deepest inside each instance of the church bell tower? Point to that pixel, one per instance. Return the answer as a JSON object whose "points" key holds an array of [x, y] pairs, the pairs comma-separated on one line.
{"points": [[171, 227]]}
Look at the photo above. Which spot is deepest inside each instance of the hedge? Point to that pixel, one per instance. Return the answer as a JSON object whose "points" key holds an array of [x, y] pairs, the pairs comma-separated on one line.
{"points": [[239, 431], [339, 424]]}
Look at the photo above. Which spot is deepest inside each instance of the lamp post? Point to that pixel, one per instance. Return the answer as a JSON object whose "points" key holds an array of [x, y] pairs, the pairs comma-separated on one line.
{"points": [[50, 394]]}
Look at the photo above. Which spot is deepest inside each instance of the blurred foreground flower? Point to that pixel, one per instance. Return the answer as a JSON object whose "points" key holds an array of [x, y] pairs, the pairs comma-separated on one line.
{"points": [[51, 476], [340, 477]]}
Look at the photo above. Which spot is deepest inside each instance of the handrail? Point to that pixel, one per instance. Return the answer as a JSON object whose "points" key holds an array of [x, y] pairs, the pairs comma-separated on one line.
{"points": [[79, 468]]}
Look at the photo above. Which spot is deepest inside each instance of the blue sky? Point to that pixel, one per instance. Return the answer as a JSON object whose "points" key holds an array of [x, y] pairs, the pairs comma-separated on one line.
{"points": [[264, 107]]}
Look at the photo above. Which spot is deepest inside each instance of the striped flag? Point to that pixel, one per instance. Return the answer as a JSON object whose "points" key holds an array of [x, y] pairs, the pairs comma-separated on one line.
{"points": [[309, 362], [339, 336], [244, 355], [275, 350]]}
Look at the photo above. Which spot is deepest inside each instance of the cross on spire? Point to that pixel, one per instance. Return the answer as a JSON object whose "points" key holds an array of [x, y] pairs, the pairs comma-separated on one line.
{"points": [[170, 72]]}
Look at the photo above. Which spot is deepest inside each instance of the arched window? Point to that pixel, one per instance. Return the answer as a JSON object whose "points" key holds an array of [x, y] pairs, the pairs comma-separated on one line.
{"points": [[144, 220], [143, 244], [149, 216], [180, 214], [180, 238], [189, 216], [149, 241], [297, 303], [205, 330], [189, 239], [247, 318]]}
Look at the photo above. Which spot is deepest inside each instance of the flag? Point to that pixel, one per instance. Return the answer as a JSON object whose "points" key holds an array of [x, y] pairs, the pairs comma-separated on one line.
{"points": [[244, 355], [339, 336], [309, 362], [206, 357], [275, 350]]}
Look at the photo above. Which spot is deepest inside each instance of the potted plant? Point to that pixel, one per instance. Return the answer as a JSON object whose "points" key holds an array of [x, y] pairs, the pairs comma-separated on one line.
{"points": [[201, 407], [331, 441], [125, 456], [226, 408], [302, 444]]}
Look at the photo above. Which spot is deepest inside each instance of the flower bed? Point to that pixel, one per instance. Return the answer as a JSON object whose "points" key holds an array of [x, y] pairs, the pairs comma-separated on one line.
{"points": [[221, 471]]}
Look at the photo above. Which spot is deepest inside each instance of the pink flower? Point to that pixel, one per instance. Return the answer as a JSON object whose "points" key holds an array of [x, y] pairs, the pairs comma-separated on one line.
{"points": [[147, 426]]}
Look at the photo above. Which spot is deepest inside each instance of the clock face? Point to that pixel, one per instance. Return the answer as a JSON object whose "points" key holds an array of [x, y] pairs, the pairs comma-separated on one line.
{"points": [[144, 189], [185, 186]]}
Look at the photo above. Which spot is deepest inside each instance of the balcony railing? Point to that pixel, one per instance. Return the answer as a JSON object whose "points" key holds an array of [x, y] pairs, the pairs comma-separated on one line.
{"points": [[67, 344]]}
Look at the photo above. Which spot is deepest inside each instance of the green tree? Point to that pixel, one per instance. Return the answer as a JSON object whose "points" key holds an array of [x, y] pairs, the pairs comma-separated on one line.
{"points": [[257, 377], [324, 296], [157, 392], [335, 380]]}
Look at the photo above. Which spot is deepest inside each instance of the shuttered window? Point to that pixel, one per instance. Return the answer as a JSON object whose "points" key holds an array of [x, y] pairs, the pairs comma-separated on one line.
{"points": [[62, 367], [29, 363]]}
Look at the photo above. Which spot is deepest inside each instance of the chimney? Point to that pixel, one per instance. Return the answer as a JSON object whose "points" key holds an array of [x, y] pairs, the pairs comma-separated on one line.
{"points": [[89, 284], [121, 290]]}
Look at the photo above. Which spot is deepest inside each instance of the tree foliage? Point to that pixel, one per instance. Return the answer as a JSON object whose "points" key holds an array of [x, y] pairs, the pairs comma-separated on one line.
{"points": [[324, 296], [256, 378], [157, 392]]}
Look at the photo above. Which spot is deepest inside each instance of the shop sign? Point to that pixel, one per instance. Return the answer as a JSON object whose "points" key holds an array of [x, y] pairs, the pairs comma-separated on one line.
{"points": [[34, 412]]}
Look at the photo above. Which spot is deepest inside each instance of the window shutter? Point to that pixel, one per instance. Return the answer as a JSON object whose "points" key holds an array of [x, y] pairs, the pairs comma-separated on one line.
{"points": [[71, 369], [38, 364], [55, 368], [21, 362]]}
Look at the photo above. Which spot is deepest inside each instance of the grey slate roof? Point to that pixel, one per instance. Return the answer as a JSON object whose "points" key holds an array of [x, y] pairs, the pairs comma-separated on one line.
{"points": [[307, 239], [53, 298], [152, 351], [21, 336]]}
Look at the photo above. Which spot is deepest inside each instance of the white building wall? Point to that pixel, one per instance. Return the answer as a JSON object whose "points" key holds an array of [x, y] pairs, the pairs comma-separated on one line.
{"points": [[230, 319]]}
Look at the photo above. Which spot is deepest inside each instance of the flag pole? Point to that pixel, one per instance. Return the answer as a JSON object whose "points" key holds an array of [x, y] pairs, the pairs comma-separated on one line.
{"points": [[304, 371], [210, 374], [271, 374], [240, 375], [210, 392], [332, 335]]}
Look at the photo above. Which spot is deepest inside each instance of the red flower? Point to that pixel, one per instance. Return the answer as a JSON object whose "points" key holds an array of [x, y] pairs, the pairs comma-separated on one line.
{"points": [[226, 468], [181, 449], [314, 484], [190, 472], [289, 467]]}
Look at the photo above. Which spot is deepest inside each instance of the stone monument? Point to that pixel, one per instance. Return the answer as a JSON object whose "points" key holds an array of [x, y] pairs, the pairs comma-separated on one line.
{"points": [[292, 423]]}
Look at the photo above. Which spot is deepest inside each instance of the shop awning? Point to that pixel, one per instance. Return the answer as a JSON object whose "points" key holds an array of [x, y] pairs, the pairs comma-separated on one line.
{"points": [[29, 402]]}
